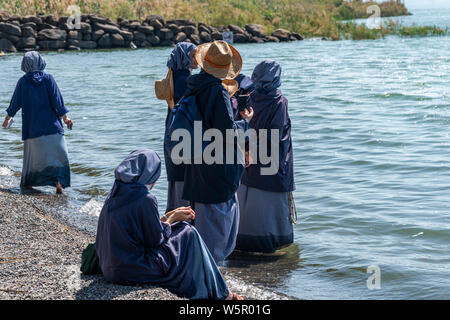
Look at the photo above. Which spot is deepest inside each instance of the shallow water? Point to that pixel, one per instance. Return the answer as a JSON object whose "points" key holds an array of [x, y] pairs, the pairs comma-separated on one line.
{"points": [[371, 143]]}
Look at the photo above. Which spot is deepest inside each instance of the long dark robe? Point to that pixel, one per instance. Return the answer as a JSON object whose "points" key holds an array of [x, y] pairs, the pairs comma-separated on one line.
{"points": [[271, 112], [134, 246]]}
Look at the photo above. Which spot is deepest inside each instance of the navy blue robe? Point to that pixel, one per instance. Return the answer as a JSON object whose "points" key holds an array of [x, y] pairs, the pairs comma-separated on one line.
{"points": [[38, 95], [215, 183], [134, 246], [271, 112]]}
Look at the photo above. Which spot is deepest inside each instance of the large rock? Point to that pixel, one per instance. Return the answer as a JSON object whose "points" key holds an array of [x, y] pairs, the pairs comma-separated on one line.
{"points": [[282, 34], [165, 34], [256, 30], [108, 28], [34, 19], [29, 42], [195, 38], [154, 40], [105, 41], [74, 34], [134, 25], [205, 36], [87, 37], [97, 34], [51, 19], [183, 22], [139, 36], [146, 29], [43, 26], [204, 28], [11, 29], [29, 24], [216, 35], [272, 39], [85, 27], [180, 37], [87, 44], [189, 30], [52, 34], [28, 32], [152, 18], [13, 39], [235, 29], [240, 38], [128, 36], [98, 19], [297, 36], [156, 24], [117, 40], [7, 46], [175, 29], [52, 44]]}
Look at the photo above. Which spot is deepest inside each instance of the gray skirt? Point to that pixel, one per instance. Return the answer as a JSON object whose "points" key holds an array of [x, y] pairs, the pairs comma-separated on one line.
{"points": [[218, 225], [45, 162], [174, 196], [265, 223]]}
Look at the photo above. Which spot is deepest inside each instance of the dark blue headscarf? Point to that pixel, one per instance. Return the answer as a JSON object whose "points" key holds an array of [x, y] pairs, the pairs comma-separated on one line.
{"points": [[32, 62], [141, 167], [179, 58], [267, 76]]}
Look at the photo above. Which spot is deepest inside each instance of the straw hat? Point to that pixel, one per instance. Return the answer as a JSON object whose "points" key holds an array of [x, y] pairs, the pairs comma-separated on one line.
{"points": [[219, 59], [232, 86], [164, 89]]}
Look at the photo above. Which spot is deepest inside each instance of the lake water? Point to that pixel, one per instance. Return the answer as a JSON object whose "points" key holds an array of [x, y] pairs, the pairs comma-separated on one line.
{"points": [[371, 124]]}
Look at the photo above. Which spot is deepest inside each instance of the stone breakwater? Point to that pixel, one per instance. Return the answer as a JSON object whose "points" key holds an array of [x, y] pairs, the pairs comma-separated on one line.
{"points": [[47, 32]]}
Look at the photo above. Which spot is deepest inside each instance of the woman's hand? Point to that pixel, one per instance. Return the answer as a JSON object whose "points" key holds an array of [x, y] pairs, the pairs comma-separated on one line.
{"points": [[180, 214], [5, 123], [68, 122], [247, 114]]}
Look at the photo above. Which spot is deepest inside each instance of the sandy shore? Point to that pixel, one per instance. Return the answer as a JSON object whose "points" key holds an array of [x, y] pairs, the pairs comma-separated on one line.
{"points": [[40, 256]]}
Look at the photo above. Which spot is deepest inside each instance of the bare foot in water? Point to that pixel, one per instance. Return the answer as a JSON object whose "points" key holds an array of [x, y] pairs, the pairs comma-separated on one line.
{"points": [[59, 189], [234, 296]]}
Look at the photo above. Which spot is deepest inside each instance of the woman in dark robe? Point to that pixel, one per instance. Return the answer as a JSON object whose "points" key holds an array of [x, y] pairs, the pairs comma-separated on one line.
{"points": [[135, 245], [211, 188], [265, 222], [45, 158], [180, 62]]}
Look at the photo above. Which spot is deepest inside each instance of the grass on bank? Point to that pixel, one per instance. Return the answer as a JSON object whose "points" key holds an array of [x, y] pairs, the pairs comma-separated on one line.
{"points": [[311, 18]]}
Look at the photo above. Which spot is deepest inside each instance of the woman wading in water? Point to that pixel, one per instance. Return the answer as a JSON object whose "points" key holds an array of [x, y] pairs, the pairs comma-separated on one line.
{"points": [[265, 201], [45, 159]]}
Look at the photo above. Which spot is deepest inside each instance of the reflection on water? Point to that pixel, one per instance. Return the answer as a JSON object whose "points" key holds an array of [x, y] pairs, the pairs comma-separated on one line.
{"points": [[269, 270]]}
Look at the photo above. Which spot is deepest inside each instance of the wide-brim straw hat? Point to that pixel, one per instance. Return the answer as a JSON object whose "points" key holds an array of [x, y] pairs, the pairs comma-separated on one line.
{"points": [[219, 59], [232, 86], [164, 89]]}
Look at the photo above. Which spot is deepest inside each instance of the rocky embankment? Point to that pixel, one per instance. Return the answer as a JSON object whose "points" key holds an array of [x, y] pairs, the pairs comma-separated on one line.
{"points": [[47, 32]]}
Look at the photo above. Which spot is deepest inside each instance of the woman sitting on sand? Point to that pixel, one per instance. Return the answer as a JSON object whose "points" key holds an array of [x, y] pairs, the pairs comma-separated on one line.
{"points": [[180, 63], [45, 159], [265, 221], [135, 246]]}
